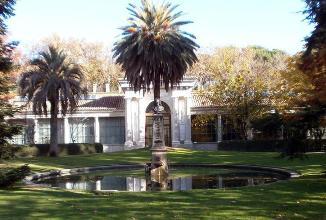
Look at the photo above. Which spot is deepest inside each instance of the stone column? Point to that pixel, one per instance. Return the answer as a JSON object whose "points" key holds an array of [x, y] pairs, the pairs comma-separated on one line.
{"points": [[97, 129], [220, 182], [134, 120], [182, 120], [188, 140], [36, 131], [128, 124], [94, 88], [107, 87], [219, 128], [98, 185], [175, 122], [142, 121], [66, 130]]}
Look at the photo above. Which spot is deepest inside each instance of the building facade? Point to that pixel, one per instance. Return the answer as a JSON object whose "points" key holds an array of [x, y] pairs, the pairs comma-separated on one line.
{"points": [[124, 121]]}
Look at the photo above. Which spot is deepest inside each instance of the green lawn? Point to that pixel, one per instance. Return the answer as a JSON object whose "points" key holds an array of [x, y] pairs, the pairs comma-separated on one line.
{"points": [[300, 198]]}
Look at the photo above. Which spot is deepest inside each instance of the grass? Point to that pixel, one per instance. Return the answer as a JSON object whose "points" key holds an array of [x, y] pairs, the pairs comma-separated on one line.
{"points": [[300, 198]]}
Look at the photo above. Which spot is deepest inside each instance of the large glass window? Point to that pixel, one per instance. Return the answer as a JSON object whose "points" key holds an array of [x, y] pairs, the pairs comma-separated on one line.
{"points": [[112, 130], [44, 130], [81, 130], [203, 132]]}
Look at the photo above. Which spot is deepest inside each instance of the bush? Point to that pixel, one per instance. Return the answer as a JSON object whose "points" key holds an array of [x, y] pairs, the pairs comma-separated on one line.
{"points": [[11, 176], [26, 151], [270, 145], [64, 149], [7, 151]]}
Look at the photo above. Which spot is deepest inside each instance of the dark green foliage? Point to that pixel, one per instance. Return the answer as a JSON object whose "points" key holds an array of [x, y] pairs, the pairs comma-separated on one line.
{"points": [[269, 125], [314, 57], [6, 11], [7, 151], [286, 147], [11, 176], [153, 49], [298, 125], [6, 109], [252, 145], [64, 149], [54, 81]]}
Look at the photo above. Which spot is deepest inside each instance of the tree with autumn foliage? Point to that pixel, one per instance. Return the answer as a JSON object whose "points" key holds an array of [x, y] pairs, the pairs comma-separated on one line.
{"points": [[7, 130], [94, 59], [245, 82]]}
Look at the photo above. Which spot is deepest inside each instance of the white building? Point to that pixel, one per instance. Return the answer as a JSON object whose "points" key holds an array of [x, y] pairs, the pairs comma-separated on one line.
{"points": [[124, 121]]}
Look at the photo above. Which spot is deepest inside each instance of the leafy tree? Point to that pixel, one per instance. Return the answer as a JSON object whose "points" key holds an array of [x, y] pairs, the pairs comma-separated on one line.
{"points": [[6, 49], [153, 49], [94, 58], [314, 57], [246, 83], [52, 81]]}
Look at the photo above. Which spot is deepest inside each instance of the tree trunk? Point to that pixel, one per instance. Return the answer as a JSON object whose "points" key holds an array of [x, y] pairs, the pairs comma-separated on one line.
{"points": [[157, 91], [54, 130]]}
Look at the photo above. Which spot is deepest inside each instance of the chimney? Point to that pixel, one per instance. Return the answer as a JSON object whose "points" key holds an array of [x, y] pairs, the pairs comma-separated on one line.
{"points": [[95, 88], [107, 87]]}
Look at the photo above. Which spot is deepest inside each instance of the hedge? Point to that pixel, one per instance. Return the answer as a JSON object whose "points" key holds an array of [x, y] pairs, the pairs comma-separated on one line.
{"points": [[11, 176], [269, 145], [64, 149]]}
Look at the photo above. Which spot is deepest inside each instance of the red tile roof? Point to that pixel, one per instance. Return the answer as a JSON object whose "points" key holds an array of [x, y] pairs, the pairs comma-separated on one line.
{"points": [[104, 103]]}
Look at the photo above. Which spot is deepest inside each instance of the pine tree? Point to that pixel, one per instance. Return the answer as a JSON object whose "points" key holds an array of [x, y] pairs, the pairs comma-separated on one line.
{"points": [[6, 109], [314, 57]]}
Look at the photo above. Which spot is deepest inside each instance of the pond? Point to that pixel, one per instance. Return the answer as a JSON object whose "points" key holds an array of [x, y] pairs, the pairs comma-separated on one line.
{"points": [[180, 179]]}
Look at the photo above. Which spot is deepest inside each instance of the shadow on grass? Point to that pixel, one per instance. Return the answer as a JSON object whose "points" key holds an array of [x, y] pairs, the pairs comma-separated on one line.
{"points": [[298, 198], [314, 164]]}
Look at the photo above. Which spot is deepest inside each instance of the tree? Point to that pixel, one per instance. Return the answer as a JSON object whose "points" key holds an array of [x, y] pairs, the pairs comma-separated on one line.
{"points": [[154, 51], [6, 50], [246, 82], [314, 57], [94, 58], [52, 81]]}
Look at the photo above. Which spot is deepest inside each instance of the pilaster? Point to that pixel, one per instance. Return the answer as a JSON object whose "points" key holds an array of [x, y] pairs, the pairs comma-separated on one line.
{"points": [[66, 130], [36, 131], [97, 129]]}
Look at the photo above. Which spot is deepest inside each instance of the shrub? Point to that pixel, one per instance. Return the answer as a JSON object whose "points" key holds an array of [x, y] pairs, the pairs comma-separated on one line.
{"points": [[11, 176], [26, 151], [7, 151], [64, 149], [285, 146]]}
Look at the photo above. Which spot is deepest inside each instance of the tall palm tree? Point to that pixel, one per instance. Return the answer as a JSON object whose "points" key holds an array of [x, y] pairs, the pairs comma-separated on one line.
{"points": [[53, 81], [153, 49]]}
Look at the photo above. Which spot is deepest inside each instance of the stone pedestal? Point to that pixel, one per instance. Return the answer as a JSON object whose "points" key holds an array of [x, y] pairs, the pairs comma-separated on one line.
{"points": [[159, 166]]}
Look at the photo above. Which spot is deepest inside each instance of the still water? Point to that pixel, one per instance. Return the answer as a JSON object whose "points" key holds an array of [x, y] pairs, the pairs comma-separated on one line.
{"points": [[181, 179]]}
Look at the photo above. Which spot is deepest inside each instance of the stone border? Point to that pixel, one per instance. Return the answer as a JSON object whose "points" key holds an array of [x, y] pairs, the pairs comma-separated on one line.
{"points": [[65, 172]]}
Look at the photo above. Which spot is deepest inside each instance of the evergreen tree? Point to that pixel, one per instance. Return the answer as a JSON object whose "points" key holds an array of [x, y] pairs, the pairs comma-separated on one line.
{"points": [[314, 57], [6, 109]]}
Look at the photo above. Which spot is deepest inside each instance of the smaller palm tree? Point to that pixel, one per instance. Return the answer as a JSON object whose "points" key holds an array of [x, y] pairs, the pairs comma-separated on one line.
{"points": [[53, 81]]}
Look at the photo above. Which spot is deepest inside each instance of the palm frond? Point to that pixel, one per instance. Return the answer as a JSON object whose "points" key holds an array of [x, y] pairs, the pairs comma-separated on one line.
{"points": [[53, 80], [153, 46]]}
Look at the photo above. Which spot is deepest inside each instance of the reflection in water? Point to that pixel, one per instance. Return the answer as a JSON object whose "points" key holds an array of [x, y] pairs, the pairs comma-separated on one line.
{"points": [[137, 184]]}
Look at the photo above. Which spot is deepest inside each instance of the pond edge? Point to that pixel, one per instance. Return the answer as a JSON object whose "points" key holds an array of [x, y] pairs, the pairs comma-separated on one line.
{"points": [[64, 172]]}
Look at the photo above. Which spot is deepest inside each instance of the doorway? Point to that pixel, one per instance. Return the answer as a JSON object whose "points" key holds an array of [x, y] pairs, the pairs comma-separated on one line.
{"points": [[149, 125]]}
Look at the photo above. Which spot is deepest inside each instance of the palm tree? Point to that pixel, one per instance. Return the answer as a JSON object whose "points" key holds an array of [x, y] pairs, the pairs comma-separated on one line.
{"points": [[153, 49], [53, 81]]}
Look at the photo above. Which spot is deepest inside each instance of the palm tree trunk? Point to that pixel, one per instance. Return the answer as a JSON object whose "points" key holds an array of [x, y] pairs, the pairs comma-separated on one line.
{"points": [[157, 91], [54, 130]]}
